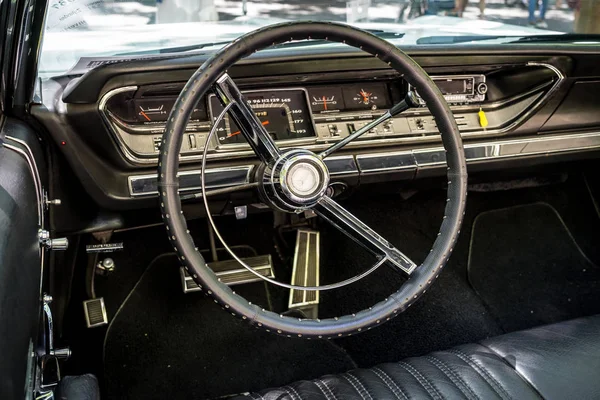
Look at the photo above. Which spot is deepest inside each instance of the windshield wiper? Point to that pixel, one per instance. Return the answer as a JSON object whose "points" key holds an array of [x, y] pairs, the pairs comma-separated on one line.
{"points": [[550, 38], [560, 38], [459, 39], [177, 49]]}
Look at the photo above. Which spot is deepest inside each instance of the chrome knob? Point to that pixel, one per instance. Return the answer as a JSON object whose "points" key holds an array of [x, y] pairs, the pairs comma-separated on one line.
{"points": [[52, 244], [105, 266], [482, 88], [63, 353], [43, 235], [58, 244]]}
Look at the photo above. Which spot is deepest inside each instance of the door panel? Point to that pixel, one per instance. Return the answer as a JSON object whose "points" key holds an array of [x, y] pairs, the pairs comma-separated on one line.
{"points": [[20, 261]]}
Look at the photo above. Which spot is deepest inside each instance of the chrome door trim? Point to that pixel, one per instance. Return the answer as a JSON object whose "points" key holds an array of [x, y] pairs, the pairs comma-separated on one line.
{"points": [[29, 157]]}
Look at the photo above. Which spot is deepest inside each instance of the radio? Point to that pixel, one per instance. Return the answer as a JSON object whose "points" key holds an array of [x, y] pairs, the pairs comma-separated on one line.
{"points": [[459, 89]]}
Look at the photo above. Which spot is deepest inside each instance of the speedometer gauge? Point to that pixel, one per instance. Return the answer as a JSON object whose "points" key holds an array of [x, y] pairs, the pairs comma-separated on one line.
{"points": [[284, 114]]}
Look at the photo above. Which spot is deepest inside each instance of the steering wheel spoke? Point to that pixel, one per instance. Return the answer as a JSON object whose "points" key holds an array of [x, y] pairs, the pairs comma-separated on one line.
{"points": [[219, 191], [361, 233], [245, 118], [408, 102]]}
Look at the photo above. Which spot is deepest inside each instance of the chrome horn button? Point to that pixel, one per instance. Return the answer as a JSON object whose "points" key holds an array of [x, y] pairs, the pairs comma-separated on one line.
{"points": [[302, 179], [297, 180]]}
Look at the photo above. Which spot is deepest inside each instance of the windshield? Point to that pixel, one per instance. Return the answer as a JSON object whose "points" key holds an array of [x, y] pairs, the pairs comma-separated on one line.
{"points": [[77, 29]]}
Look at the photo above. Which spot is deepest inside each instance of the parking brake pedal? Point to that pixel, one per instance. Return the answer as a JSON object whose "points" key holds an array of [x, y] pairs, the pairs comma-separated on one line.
{"points": [[306, 273], [95, 312], [232, 273]]}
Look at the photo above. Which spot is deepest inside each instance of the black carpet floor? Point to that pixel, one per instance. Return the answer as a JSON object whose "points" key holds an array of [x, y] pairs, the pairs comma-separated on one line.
{"points": [[166, 344], [528, 270], [450, 313]]}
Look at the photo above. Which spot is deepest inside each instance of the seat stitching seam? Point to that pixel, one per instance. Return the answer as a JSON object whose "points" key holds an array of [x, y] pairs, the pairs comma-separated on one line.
{"points": [[288, 392], [361, 385], [391, 384], [357, 378], [317, 384], [453, 376], [347, 377], [328, 388], [433, 393], [505, 361], [295, 392], [483, 372]]}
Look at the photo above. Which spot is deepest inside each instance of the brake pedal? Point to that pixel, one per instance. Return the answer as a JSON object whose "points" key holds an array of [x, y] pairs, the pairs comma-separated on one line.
{"points": [[95, 312], [232, 273], [306, 273]]}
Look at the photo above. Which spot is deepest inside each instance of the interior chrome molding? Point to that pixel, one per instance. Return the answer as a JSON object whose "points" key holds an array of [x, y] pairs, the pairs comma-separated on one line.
{"points": [[220, 177], [39, 191], [432, 157], [404, 160], [28, 155], [220, 153]]}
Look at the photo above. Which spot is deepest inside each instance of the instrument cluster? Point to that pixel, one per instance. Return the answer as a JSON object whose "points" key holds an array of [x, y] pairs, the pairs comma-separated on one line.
{"points": [[352, 97], [309, 116], [284, 113]]}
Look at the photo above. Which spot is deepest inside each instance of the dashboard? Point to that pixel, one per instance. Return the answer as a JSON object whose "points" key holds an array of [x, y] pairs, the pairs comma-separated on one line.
{"points": [[511, 106]]}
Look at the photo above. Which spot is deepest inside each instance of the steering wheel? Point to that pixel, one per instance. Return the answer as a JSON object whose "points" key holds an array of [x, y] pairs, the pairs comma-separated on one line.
{"points": [[297, 180]]}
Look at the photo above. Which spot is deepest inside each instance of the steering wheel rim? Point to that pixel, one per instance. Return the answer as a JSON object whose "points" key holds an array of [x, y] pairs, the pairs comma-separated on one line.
{"points": [[204, 79]]}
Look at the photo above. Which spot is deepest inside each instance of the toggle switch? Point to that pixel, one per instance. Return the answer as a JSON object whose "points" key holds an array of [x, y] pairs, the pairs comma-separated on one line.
{"points": [[192, 141]]}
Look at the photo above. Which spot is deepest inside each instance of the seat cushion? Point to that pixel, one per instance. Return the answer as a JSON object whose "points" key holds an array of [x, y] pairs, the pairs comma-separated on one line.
{"points": [[552, 362]]}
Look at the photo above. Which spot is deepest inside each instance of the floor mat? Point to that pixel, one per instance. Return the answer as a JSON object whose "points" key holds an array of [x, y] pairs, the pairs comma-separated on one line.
{"points": [[166, 344], [528, 270]]}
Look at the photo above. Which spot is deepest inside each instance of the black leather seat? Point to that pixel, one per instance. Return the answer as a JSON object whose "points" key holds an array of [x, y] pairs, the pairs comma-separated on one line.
{"points": [[560, 361]]}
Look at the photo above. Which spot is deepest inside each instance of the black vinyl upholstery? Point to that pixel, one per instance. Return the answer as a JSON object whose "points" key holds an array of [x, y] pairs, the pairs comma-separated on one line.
{"points": [[552, 362]]}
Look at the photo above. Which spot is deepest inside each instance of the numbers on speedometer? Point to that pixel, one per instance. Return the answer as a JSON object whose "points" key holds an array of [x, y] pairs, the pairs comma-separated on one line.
{"points": [[283, 113]]}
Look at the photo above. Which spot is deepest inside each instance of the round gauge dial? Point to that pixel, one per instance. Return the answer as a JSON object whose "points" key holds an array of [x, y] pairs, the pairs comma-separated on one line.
{"points": [[284, 114], [325, 99], [367, 96]]}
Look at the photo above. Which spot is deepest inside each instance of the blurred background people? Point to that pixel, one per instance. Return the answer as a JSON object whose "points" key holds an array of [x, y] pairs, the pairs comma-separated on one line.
{"points": [[460, 5], [541, 21]]}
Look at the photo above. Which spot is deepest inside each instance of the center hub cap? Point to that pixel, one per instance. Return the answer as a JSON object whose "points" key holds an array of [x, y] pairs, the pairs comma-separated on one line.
{"points": [[296, 181], [303, 179]]}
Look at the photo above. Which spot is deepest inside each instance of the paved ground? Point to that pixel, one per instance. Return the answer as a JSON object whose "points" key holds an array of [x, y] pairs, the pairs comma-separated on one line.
{"points": [[386, 11]]}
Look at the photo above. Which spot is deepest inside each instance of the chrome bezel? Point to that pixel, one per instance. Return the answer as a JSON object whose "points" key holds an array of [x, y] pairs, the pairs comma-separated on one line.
{"points": [[244, 146]]}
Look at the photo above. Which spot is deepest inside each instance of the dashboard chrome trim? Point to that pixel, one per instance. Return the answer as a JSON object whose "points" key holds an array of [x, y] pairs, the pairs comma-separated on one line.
{"points": [[435, 157], [108, 117], [365, 164], [341, 165], [386, 162], [219, 175]]}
